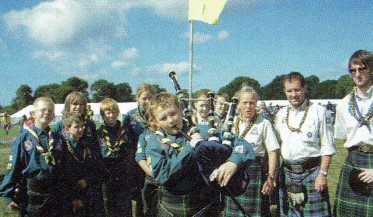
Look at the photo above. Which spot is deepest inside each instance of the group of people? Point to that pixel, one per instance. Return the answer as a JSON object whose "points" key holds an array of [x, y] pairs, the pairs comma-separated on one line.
{"points": [[212, 160]]}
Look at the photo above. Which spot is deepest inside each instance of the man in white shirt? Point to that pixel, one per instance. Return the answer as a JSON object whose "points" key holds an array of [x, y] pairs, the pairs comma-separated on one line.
{"points": [[354, 124], [307, 146]]}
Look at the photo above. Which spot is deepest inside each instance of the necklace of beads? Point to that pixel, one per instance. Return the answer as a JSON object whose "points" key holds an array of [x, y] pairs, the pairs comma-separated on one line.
{"points": [[361, 120], [72, 152], [293, 129], [247, 128], [118, 141]]}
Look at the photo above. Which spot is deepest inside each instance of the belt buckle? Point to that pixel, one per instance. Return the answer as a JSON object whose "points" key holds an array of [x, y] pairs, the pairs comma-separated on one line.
{"points": [[296, 168]]}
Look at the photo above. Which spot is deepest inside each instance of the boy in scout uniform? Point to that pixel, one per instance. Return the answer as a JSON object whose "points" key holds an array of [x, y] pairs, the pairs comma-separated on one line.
{"points": [[36, 163]]}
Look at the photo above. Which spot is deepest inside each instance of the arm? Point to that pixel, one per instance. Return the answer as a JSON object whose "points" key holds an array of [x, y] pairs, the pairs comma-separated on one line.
{"points": [[321, 180], [270, 184], [145, 167]]}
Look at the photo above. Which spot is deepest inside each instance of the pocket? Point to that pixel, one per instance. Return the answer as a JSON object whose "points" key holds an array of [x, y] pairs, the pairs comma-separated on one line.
{"points": [[309, 134]]}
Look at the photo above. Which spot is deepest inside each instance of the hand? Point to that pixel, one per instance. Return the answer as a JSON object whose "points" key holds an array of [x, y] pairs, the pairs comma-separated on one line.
{"points": [[320, 183], [366, 175], [269, 186], [81, 184], [77, 204], [14, 206], [226, 171]]}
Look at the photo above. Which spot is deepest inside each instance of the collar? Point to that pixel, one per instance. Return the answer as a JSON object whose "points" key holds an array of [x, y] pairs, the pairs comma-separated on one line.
{"points": [[39, 131], [302, 107], [366, 95]]}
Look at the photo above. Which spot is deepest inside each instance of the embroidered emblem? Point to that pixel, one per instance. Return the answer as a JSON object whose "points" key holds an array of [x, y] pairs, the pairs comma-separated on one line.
{"points": [[165, 146], [139, 150], [9, 166], [149, 160], [239, 149], [309, 134], [147, 137], [28, 145], [254, 131]]}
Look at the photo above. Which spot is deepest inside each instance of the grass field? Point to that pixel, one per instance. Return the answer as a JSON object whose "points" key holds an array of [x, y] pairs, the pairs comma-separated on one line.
{"points": [[5, 144]]}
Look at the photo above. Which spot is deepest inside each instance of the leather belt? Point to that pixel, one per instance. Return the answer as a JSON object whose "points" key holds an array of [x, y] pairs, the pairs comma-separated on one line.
{"points": [[362, 148], [302, 167]]}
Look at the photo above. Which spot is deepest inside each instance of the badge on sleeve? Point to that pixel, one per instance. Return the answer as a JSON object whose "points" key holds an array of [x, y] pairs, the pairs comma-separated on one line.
{"points": [[147, 137], [27, 145], [309, 134], [239, 149]]}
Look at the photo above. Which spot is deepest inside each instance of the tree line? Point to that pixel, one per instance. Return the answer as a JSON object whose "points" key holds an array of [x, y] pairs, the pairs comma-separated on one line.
{"points": [[122, 92]]}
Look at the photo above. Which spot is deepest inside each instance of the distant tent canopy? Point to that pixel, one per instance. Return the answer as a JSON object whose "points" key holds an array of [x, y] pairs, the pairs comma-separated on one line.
{"points": [[123, 107]]}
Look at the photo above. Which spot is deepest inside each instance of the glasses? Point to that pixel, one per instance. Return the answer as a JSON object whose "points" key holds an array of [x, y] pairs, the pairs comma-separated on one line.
{"points": [[358, 69]]}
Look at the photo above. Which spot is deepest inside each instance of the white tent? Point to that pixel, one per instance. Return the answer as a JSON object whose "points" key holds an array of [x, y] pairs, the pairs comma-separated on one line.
{"points": [[124, 107]]}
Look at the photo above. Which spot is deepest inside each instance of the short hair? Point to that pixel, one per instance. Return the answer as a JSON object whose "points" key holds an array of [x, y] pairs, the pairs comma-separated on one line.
{"points": [[201, 93], [223, 95], [246, 89], [145, 87], [292, 76], [161, 100], [43, 99], [363, 57], [68, 121], [108, 104], [75, 97]]}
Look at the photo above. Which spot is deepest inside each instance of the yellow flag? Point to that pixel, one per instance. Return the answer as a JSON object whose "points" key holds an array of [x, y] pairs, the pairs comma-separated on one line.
{"points": [[207, 11]]}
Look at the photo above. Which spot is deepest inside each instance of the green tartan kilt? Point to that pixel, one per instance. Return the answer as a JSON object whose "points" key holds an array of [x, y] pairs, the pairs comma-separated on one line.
{"points": [[253, 201], [150, 196], [316, 204], [189, 205], [47, 200], [348, 202]]}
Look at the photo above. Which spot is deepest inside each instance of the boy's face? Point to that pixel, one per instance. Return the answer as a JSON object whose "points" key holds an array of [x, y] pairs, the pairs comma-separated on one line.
{"points": [[202, 108], [76, 108], [110, 117], [170, 119], [43, 113], [220, 106], [144, 99], [76, 130]]}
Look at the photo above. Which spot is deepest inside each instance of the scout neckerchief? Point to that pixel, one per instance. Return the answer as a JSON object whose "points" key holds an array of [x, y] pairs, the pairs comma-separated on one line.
{"points": [[203, 122], [363, 121], [46, 153], [293, 129], [72, 152], [248, 126], [141, 114], [167, 141], [117, 142]]}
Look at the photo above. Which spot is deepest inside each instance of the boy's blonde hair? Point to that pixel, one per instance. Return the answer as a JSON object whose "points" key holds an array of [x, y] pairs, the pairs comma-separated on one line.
{"points": [[145, 87], [162, 100], [75, 97], [69, 120], [109, 104]]}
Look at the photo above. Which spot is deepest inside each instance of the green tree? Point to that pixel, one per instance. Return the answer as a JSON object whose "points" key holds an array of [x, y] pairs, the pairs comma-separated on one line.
{"points": [[123, 93], [102, 89], [158, 88], [237, 83], [49, 90], [23, 97], [73, 84], [274, 90], [344, 86], [324, 90], [312, 82]]}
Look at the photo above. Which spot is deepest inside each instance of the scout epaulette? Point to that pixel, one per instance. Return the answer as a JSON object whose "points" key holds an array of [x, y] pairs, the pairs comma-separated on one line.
{"points": [[167, 142], [118, 141], [48, 156]]}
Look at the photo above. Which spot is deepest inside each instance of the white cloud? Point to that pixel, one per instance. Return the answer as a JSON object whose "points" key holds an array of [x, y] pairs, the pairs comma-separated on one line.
{"points": [[180, 68], [3, 48], [130, 53], [222, 35], [118, 64], [136, 72]]}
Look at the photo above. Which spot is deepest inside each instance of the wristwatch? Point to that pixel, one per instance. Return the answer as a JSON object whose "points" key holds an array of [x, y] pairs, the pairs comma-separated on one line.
{"points": [[323, 172]]}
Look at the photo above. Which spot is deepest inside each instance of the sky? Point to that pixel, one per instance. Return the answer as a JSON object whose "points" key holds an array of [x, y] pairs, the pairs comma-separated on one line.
{"points": [[136, 41]]}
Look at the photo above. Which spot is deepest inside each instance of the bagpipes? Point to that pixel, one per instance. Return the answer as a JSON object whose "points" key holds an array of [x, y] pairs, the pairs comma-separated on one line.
{"points": [[211, 154]]}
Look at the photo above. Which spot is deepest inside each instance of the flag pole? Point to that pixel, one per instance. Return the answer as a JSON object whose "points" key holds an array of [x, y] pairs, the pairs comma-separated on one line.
{"points": [[191, 61]]}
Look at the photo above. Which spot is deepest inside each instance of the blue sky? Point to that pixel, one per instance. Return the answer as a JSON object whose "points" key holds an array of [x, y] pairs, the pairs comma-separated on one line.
{"points": [[135, 41]]}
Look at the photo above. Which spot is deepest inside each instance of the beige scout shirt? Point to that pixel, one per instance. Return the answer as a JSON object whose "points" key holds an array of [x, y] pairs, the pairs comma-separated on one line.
{"points": [[346, 125], [261, 136], [315, 138]]}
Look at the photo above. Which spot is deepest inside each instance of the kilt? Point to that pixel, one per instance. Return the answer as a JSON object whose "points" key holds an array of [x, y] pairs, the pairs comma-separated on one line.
{"points": [[316, 204], [348, 202], [190, 205], [253, 201], [150, 196]]}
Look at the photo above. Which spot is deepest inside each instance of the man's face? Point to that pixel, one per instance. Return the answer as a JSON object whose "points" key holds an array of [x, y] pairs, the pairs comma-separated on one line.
{"points": [[247, 105], [220, 106], [110, 117], [76, 130], [144, 99], [169, 119], [361, 76], [294, 92], [43, 113]]}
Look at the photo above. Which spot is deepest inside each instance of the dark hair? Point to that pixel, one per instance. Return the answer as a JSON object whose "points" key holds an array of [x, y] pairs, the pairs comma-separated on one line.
{"points": [[363, 57], [294, 76]]}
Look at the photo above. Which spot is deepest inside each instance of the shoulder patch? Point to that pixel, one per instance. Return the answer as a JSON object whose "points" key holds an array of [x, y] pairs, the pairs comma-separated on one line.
{"points": [[239, 149], [254, 131], [147, 137]]}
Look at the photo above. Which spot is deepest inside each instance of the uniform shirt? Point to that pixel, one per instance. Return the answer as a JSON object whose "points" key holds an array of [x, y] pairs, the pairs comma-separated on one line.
{"points": [[346, 125], [135, 122], [315, 138], [142, 144], [90, 132], [27, 160], [261, 136]]}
